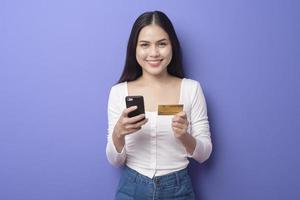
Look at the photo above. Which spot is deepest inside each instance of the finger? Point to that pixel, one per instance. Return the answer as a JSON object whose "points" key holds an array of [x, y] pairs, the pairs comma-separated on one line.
{"points": [[128, 110], [177, 130], [179, 120], [132, 130], [137, 125], [141, 123], [182, 114], [133, 120], [178, 125]]}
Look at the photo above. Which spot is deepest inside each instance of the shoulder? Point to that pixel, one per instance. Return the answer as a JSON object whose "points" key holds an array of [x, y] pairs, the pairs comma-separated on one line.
{"points": [[118, 88], [191, 84], [116, 97], [117, 92], [192, 89]]}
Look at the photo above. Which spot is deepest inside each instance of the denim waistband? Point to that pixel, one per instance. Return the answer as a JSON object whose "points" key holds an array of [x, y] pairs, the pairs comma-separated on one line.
{"points": [[173, 178]]}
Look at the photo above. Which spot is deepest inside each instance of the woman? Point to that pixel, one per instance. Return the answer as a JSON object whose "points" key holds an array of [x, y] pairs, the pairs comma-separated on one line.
{"points": [[155, 148]]}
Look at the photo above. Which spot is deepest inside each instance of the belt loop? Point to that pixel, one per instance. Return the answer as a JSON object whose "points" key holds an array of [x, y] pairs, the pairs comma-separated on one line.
{"points": [[177, 179], [136, 174], [132, 174]]}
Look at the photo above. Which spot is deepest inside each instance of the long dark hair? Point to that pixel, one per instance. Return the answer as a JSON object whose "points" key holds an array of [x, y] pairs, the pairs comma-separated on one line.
{"points": [[132, 69]]}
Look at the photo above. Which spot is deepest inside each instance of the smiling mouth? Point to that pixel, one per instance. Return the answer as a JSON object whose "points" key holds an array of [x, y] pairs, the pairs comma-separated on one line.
{"points": [[154, 63]]}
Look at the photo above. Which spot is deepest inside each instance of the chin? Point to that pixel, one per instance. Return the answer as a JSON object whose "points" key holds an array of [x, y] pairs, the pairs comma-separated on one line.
{"points": [[156, 72]]}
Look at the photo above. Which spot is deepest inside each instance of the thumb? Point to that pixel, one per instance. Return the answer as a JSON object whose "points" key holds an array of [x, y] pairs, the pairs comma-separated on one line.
{"points": [[128, 110], [182, 114]]}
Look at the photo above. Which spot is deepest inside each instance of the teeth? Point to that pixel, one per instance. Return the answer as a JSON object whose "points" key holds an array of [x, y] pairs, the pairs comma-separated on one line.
{"points": [[154, 61]]}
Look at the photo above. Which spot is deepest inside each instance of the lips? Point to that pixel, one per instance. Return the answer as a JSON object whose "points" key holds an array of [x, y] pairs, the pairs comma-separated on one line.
{"points": [[154, 63]]}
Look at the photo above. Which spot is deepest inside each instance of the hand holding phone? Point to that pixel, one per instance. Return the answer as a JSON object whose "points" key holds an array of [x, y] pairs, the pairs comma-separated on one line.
{"points": [[132, 119], [135, 101]]}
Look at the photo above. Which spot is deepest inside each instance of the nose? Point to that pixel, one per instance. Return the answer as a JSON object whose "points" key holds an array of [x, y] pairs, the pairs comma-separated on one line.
{"points": [[154, 52]]}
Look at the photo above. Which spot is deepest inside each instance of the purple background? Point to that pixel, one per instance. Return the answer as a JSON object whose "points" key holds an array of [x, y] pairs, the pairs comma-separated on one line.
{"points": [[59, 59]]}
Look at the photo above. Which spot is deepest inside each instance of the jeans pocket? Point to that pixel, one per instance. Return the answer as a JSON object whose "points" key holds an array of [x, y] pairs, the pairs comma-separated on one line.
{"points": [[185, 190], [126, 188]]}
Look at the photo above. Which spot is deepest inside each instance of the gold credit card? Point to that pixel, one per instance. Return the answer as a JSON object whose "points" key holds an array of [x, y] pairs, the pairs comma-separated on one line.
{"points": [[169, 109]]}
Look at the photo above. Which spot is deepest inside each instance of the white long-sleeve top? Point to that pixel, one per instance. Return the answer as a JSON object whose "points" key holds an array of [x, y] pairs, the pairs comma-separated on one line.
{"points": [[154, 150]]}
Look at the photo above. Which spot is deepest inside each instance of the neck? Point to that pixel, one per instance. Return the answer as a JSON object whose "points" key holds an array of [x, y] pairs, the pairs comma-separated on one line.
{"points": [[157, 80]]}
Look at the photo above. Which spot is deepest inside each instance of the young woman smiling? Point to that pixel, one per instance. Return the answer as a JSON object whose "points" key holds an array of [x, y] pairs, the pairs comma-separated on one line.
{"points": [[154, 149]]}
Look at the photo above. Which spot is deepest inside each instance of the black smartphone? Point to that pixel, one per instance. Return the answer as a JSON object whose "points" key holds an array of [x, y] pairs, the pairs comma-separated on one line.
{"points": [[135, 101]]}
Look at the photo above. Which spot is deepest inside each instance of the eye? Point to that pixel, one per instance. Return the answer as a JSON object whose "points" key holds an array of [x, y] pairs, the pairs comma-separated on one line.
{"points": [[144, 45], [162, 44]]}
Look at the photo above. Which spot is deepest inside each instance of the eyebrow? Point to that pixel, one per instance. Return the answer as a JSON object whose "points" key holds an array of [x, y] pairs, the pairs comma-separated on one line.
{"points": [[157, 41]]}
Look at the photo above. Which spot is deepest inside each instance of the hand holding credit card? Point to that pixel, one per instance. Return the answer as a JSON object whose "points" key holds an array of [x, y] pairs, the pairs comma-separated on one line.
{"points": [[172, 109]]}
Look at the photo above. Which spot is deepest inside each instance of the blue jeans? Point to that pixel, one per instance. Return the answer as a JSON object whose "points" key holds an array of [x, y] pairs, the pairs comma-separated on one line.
{"points": [[135, 186]]}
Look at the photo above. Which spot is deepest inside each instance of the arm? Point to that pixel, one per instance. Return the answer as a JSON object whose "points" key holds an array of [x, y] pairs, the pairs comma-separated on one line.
{"points": [[126, 126], [200, 126], [189, 143], [198, 143], [115, 150], [120, 125]]}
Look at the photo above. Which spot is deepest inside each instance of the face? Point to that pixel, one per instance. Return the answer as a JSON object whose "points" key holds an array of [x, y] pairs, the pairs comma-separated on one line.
{"points": [[154, 50]]}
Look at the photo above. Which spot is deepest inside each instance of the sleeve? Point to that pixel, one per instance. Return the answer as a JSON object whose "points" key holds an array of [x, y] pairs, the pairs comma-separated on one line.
{"points": [[113, 113], [200, 126]]}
